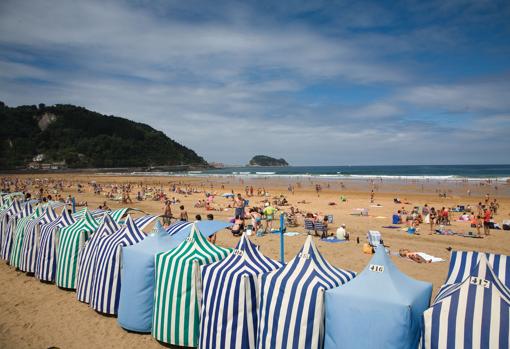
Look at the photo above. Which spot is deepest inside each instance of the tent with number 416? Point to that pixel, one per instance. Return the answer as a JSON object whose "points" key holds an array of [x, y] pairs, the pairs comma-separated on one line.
{"points": [[380, 308]]}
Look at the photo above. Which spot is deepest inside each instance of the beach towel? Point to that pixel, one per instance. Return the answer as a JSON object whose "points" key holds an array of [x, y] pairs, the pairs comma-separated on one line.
{"points": [[429, 258], [381, 217], [391, 227], [332, 239]]}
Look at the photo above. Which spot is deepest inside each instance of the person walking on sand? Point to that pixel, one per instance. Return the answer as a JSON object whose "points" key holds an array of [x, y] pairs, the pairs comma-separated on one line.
{"points": [[239, 206], [372, 196]]}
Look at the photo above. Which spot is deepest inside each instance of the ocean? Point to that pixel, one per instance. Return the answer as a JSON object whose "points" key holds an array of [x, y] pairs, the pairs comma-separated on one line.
{"points": [[418, 172]]}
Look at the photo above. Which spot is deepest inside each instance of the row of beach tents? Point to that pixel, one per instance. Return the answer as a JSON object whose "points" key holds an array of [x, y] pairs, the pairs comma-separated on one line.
{"points": [[186, 291]]}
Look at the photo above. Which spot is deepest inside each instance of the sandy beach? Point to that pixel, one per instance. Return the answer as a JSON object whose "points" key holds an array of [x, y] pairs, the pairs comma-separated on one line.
{"points": [[38, 315]]}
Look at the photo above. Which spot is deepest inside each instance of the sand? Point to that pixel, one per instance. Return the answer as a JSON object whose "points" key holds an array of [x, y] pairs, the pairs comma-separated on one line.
{"points": [[37, 315]]}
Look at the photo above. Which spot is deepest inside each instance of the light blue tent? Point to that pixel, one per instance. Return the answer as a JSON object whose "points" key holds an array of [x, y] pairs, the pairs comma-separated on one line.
{"points": [[380, 308], [137, 273]]}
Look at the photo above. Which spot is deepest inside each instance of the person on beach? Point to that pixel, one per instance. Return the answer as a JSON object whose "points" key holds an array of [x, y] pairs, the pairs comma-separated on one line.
{"points": [[237, 228], [256, 219], [167, 215], [487, 221], [432, 218], [239, 206], [372, 196], [183, 216], [212, 238], [268, 213]]}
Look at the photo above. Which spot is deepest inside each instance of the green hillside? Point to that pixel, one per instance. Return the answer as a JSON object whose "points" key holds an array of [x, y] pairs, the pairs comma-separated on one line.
{"points": [[83, 138]]}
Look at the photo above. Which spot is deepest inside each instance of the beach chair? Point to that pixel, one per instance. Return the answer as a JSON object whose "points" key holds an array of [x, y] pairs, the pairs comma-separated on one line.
{"points": [[309, 226], [320, 227], [374, 238]]}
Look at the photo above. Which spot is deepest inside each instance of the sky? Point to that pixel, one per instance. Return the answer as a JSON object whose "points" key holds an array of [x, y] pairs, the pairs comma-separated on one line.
{"points": [[314, 82]]}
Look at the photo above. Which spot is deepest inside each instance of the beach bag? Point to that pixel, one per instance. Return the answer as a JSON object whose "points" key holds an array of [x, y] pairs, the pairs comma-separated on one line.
{"points": [[427, 219], [506, 225], [367, 249], [396, 219]]}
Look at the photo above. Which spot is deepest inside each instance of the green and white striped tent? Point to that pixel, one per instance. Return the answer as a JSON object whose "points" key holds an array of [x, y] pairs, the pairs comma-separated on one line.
{"points": [[19, 234], [178, 291], [70, 240]]}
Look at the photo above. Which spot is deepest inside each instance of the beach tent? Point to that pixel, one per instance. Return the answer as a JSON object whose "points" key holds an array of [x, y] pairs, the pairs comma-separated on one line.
{"points": [[291, 311], [70, 240], [229, 299], [136, 301], [472, 314], [10, 233], [461, 263], [380, 308], [46, 263], [177, 296], [5, 215], [106, 284], [31, 239], [19, 235], [88, 255]]}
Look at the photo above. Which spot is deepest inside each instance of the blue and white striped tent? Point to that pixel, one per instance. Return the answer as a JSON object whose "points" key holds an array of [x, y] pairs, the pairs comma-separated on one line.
{"points": [[291, 311], [472, 314], [380, 308], [136, 301], [5, 216], [181, 230], [229, 297], [31, 239], [19, 235], [106, 285], [46, 264], [88, 256], [461, 263], [9, 236]]}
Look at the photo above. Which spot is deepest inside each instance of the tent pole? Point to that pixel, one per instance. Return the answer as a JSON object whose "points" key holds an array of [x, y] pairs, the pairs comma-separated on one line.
{"points": [[282, 245]]}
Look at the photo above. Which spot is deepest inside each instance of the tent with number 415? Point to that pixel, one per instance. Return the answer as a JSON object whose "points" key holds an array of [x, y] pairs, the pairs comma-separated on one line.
{"points": [[380, 308]]}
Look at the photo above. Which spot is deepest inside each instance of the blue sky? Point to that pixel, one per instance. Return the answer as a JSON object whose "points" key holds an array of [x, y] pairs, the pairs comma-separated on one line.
{"points": [[315, 82]]}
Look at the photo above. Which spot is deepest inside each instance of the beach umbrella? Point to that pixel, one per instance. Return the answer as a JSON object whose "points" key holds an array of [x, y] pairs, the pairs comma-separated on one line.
{"points": [[10, 234], [461, 263], [291, 311], [88, 255], [19, 235], [70, 240], [207, 228], [31, 239], [358, 317], [229, 300], [106, 284], [46, 262], [177, 295], [136, 301], [472, 314]]}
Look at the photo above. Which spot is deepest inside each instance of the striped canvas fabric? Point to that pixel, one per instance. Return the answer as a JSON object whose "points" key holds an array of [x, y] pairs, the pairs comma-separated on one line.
{"points": [[106, 282], [473, 314], [143, 221], [5, 215], [177, 227], [19, 235], [87, 258], [291, 311], [117, 215], [31, 239], [229, 300], [70, 241], [461, 263], [46, 262], [177, 296], [26, 210]]}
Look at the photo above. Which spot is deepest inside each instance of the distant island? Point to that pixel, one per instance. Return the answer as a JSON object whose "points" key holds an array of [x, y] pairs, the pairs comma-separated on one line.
{"points": [[68, 136], [264, 160]]}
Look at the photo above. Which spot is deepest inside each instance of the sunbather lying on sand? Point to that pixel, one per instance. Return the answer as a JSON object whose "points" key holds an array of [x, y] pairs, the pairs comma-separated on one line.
{"points": [[418, 257]]}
